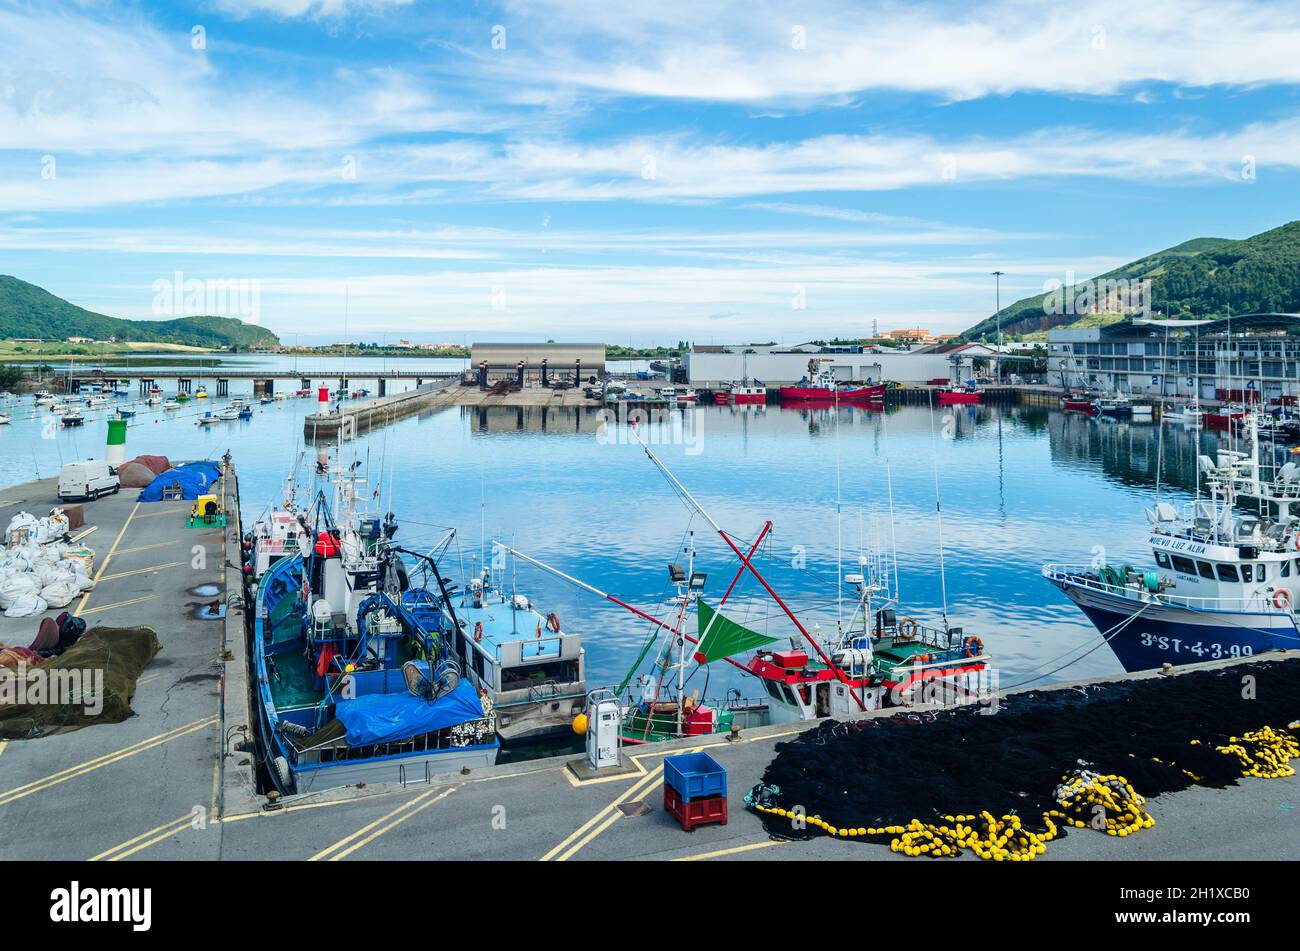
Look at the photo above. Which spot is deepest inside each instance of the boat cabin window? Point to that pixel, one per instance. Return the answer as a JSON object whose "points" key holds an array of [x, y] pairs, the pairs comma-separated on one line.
{"points": [[1184, 565], [1286, 568], [1228, 573], [1206, 569], [1246, 573], [1261, 572], [519, 678], [1162, 559]]}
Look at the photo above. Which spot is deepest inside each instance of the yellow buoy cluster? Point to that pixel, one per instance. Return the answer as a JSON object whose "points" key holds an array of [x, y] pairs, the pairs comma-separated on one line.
{"points": [[1084, 798], [1265, 753], [1104, 802]]}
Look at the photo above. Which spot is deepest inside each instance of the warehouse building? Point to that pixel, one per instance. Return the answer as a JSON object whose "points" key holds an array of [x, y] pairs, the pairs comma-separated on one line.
{"points": [[506, 356], [789, 363], [1181, 358]]}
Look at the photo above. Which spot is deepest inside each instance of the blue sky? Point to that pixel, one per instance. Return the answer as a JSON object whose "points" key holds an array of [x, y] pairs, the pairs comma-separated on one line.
{"points": [[632, 173]]}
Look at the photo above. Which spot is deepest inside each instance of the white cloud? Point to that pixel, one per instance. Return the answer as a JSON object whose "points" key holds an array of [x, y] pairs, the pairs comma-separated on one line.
{"points": [[288, 9], [746, 50]]}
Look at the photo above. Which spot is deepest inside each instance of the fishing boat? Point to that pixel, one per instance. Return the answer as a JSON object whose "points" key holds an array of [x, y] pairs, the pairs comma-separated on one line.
{"points": [[871, 660], [741, 394], [182, 397], [42, 398], [1188, 413], [1080, 403], [533, 669], [1223, 418], [245, 412], [152, 400], [200, 393], [354, 680], [123, 413], [1224, 583], [208, 419], [954, 395], [228, 413], [1117, 406], [673, 395], [72, 416], [821, 385], [95, 402], [171, 405], [269, 399]]}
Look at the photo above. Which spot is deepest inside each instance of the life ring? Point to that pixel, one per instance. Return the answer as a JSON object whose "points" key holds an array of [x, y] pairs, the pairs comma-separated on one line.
{"points": [[478, 632], [553, 622], [907, 627], [1296, 542], [974, 646], [1281, 599]]}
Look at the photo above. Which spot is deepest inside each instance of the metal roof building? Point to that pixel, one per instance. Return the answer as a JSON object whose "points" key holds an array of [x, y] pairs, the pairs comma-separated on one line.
{"points": [[558, 356]]}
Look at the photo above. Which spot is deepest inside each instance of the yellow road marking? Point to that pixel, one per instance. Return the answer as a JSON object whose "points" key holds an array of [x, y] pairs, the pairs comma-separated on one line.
{"points": [[124, 849], [141, 571], [72, 772], [577, 783], [732, 851], [577, 839], [120, 604], [403, 812], [131, 551], [164, 512], [81, 606], [3, 744]]}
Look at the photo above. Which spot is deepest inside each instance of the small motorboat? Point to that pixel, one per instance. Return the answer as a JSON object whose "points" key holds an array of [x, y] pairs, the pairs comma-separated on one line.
{"points": [[245, 412], [200, 394], [1079, 403], [152, 400], [269, 399], [95, 402], [207, 419], [4, 419], [957, 395], [73, 417], [171, 405], [125, 413], [1187, 413], [1114, 406], [228, 413]]}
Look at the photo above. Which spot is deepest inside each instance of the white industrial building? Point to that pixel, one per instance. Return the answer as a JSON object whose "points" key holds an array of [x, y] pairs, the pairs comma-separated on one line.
{"points": [[789, 363]]}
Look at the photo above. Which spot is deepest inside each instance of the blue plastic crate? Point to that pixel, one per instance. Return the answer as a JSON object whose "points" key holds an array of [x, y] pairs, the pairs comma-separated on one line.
{"points": [[695, 776]]}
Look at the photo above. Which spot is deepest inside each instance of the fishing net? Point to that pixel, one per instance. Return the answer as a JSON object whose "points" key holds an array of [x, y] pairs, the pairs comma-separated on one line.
{"points": [[1005, 783], [91, 682]]}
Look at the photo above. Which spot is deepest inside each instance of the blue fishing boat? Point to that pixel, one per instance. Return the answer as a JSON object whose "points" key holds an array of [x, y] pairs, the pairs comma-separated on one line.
{"points": [[534, 670], [354, 679], [1224, 584]]}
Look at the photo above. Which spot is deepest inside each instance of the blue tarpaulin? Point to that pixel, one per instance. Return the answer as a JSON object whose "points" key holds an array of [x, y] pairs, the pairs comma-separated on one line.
{"points": [[388, 717], [194, 478]]}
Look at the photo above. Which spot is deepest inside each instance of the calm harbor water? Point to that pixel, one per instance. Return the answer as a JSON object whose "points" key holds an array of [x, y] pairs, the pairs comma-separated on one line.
{"points": [[1020, 486]]}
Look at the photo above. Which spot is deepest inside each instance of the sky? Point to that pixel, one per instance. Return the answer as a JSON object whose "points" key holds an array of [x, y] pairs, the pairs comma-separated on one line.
{"points": [[631, 173]]}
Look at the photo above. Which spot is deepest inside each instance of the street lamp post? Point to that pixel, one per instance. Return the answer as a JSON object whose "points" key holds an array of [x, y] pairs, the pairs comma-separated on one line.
{"points": [[997, 290]]}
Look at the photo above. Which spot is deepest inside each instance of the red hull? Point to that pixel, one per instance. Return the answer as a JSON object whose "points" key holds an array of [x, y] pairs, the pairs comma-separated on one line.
{"points": [[746, 399], [1079, 406], [826, 394], [1220, 420], [949, 397]]}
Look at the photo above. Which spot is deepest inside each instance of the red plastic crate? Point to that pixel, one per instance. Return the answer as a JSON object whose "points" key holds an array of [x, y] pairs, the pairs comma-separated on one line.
{"points": [[697, 812]]}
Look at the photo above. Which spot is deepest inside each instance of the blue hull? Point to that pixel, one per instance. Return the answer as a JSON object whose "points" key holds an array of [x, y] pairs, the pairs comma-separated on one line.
{"points": [[1146, 643]]}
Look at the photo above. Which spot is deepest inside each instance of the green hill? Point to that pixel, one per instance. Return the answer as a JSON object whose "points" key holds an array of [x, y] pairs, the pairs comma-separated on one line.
{"points": [[30, 311], [1204, 277]]}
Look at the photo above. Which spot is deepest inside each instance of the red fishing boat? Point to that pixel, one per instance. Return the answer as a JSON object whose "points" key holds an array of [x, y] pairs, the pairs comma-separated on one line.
{"points": [[1223, 418], [953, 396], [820, 384], [1078, 403]]}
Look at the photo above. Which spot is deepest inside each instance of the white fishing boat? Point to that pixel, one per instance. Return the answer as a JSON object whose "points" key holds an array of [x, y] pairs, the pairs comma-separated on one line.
{"points": [[171, 405], [228, 413], [1188, 413]]}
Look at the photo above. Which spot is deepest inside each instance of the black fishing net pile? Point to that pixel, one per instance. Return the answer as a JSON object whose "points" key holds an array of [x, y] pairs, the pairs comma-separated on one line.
{"points": [[122, 653], [890, 770]]}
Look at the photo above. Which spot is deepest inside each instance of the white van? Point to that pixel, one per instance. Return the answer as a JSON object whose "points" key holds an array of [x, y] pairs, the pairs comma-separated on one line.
{"points": [[87, 480]]}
